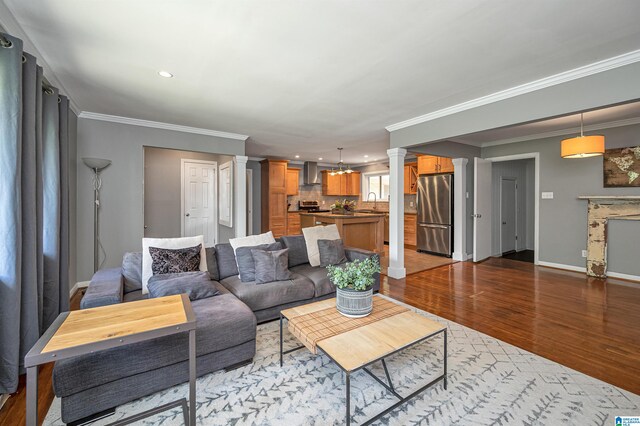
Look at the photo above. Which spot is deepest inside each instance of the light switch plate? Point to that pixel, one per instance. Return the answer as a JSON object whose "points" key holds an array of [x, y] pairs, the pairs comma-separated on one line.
{"points": [[547, 195], [584, 253]]}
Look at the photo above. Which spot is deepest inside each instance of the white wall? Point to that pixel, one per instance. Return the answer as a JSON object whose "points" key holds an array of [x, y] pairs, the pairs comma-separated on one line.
{"points": [[121, 215]]}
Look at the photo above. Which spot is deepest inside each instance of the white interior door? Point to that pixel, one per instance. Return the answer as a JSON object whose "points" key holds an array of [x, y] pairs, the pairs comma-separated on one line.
{"points": [[508, 217], [481, 209], [199, 197]]}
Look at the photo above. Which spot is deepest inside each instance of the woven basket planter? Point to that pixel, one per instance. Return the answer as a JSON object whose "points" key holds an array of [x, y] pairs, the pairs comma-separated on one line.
{"points": [[354, 303]]}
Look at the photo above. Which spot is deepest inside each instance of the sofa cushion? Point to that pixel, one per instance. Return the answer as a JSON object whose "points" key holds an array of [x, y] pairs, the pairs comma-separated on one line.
{"points": [[318, 276], [297, 249], [222, 322], [196, 285], [331, 252], [246, 262], [212, 263], [226, 259], [271, 265], [132, 271], [262, 296]]}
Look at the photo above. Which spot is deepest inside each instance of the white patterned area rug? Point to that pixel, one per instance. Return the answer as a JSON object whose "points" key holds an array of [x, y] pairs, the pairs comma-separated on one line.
{"points": [[490, 383]]}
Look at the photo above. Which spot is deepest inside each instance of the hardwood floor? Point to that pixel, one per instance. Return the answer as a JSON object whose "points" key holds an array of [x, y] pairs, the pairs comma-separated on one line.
{"points": [[587, 324], [414, 261], [14, 410]]}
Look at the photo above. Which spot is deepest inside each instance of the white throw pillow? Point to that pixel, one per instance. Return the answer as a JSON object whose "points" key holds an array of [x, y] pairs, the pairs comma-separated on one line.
{"points": [[311, 237], [251, 240], [168, 243]]}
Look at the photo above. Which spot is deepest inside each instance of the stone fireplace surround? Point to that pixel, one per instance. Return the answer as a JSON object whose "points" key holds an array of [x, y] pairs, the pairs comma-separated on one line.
{"points": [[602, 209]]}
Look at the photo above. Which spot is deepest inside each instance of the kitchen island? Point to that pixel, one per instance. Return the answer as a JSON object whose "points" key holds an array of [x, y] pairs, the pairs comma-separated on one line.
{"points": [[360, 230]]}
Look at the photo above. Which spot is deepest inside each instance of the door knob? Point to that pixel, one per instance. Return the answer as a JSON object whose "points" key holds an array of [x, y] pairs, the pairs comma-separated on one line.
{"points": [[187, 215], [504, 223]]}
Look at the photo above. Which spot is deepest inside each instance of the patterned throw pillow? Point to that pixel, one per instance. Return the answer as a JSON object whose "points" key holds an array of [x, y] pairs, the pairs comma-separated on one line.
{"points": [[173, 261]]}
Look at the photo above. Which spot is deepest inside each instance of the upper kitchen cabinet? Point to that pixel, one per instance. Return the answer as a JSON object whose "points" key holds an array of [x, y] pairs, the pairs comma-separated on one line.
{"points": [[346, 184], [293, 181], [430, 164], [411, 178]]}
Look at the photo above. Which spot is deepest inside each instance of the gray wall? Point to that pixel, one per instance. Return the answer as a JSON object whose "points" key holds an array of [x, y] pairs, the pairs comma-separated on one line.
{"points": [[563, 220], [73, 191], [257, 193], [162, 192], [525, 208], [121, 215], [457, 150]]}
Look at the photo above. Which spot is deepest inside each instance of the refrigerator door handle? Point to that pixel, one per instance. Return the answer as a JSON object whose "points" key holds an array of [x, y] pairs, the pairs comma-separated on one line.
{"points": [[428, 225]]}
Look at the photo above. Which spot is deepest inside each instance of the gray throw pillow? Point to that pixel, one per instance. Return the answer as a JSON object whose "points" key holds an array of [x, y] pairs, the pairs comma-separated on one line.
{"points": [[226, 260], [212, 264], [246, 264], [297, 249], [271, 265], [331, 252], [197, 285], [132, 271]]}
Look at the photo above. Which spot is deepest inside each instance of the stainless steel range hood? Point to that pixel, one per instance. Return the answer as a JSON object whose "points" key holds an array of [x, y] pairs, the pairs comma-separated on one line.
{"points": [[310, 173]]}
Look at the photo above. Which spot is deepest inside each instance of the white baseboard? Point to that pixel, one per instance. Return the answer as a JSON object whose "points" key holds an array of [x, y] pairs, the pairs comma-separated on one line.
{"points": [[611, 274], [3, 398], [470, 256], [77, 286]]}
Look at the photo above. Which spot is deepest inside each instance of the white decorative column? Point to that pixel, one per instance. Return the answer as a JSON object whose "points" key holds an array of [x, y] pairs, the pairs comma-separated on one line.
{"points": [[396, 213], [460, 209], [241, 195]]}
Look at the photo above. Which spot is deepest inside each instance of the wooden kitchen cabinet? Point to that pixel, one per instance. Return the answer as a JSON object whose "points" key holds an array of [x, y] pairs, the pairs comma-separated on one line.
{"points": [[293, 224], [410, 232], [430, 164], [347, 184], [411, 178], [293, 181], [274, 196]]}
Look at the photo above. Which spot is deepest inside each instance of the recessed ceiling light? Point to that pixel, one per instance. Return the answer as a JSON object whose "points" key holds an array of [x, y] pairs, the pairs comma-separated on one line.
{"points": [[366, 161], [165, 74], [366, 156], [297, 156], [320, 158]]}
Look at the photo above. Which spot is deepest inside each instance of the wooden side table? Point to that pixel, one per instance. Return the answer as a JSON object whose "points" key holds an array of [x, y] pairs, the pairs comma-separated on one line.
{"points": [[91, 330]]}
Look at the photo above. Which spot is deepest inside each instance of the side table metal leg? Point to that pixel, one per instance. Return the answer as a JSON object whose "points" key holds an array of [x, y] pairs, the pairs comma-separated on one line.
{"points": [[445, 359], [348, 383], [32, 396], [192, 378], [280, 340]]}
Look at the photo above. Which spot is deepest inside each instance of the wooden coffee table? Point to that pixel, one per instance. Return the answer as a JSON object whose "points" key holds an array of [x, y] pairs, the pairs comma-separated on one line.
{"points": [[355, 343]]}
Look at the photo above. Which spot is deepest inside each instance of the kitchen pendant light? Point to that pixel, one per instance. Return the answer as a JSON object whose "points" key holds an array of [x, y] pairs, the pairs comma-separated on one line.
{"points": [[582, 146], [342, 169]]}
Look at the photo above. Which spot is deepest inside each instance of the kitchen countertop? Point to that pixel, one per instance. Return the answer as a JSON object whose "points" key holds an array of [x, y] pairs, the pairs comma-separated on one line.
{"points": [[343, 216]]}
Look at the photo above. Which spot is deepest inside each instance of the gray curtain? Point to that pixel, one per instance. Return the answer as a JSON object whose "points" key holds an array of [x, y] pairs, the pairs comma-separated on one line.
{"points": [[34, 207]]}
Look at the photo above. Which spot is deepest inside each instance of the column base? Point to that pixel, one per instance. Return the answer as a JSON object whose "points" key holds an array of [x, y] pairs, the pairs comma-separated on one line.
{"points": [[396, 273]]}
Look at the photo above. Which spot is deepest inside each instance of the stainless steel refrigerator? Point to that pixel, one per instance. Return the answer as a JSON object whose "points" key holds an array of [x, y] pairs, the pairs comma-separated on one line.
{"points": [[435, 214]]}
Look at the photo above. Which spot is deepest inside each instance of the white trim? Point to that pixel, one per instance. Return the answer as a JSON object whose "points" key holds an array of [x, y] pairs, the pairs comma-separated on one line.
{"points": [[228, 203], [610, 274], [396, 267], [536, 221], [623, 276], [239, 188], [250, 201], [553, 80], [563, 132], [77, 286], [469, 256], [214, 196], [460, 209], [160, 125]]}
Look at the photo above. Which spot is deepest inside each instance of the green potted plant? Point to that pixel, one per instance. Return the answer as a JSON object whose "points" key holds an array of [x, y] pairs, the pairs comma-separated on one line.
{"points": [[343, 207], [354, 286]]}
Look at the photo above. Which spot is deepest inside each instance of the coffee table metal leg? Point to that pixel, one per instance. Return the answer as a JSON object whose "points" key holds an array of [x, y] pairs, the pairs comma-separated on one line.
{"points": [[280, 340], [192, 377], [386, 372], [348, 386], [445, 359], [32, 396]]}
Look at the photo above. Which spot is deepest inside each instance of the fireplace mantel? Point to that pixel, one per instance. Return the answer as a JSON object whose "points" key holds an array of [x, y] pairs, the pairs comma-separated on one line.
{"points": [[602, 209]]}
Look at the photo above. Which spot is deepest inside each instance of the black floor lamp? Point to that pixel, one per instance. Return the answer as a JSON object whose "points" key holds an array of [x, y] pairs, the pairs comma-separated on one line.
{"points": [[97, 165]]}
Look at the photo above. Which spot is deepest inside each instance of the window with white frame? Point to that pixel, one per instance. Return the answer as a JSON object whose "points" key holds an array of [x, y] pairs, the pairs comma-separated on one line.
{"points": [[378, 183]]}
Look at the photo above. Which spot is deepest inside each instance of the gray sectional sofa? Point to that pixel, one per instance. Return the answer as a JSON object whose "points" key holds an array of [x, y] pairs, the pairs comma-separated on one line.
{"points": [[225, 334]]}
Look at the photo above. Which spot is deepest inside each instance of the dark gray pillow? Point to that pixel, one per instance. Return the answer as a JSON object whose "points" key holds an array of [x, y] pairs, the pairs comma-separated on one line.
{"points": [[212, 264], [331, 252], [226, 260], [246, 264], [132, 271], [297, 249], [197, 285], [271, 265]]}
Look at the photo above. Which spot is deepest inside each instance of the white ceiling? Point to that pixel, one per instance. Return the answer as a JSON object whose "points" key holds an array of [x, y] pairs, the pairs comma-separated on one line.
{"points": [[304, 77], [593, 120]]}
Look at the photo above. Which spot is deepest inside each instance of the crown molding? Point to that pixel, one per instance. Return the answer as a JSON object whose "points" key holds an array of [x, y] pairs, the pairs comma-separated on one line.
{"points": [[160, 125], [10, 25], [553, 80], [564, 132]]}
